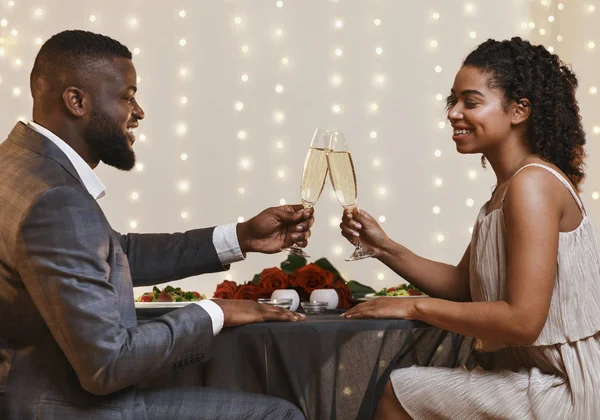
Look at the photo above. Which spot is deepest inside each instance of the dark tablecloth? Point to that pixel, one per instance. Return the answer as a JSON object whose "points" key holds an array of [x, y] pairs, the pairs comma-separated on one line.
{"points": [[332, 368]]}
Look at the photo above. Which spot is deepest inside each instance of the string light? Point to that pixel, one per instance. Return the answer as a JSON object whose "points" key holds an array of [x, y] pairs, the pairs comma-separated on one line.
{"points": [[239, 106], [439, 97], [470, 202], [336, 109], [378, 50], [245, 163], [184, 186], [472, 34], [184, 215], [282, 202], [278, 88], [591, 8], [436, 210], [595, 195], [381, 219], [472, 174], [377, 22], [438, 69], [373, 134], [338, 52], [435, 15], [182, 14], [139, 166], [593, 90], [182, 42], [440, 238], [338, 24], [183, 157], [380, 276], [133, 224], [437, 153], [279, 3], [241, 190], [242, 135], [279, 116], [244, 78], [438, 182]]}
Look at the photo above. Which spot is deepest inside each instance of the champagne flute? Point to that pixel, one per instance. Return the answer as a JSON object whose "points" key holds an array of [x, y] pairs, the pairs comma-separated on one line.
{"points": [[343, 179], [313, 176]]}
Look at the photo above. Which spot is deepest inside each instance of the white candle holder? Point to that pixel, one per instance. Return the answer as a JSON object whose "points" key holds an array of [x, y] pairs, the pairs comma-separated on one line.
{"points": [[287, 294], [325, 295]]}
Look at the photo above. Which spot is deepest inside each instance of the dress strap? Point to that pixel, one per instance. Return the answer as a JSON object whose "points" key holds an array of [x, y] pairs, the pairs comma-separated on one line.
{"points": [[560, 178]]}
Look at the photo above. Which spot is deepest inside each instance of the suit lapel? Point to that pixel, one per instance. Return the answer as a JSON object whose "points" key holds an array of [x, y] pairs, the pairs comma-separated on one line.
{"points": [[27, 138]]}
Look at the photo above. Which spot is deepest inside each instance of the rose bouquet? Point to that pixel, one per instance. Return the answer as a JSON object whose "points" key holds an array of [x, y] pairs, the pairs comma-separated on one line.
{"points": [[295, 273]]}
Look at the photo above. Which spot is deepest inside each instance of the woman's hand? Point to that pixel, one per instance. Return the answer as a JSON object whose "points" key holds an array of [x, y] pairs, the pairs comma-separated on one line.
{"points": [[384, 307], [361, 226]]}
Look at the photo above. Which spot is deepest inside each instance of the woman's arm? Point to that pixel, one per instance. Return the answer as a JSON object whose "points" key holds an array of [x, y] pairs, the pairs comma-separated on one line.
{"points": [[437, 279], [532, 215]]}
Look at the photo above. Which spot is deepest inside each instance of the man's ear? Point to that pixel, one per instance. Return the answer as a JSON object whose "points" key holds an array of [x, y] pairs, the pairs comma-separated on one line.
{"points": [[521, 111], [76, 101]]}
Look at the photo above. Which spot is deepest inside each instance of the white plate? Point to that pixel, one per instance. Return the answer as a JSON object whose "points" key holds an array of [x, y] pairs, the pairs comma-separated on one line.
{"points": [[160, 305], [370, 296]]}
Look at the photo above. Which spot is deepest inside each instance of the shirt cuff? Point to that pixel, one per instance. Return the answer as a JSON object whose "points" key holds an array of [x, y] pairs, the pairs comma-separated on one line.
{"points": [[226, 243], [215, 313]]}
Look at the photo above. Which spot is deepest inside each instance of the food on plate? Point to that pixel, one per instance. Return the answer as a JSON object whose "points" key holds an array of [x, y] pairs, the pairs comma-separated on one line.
{"points": [[402, 290], [170, 294]]}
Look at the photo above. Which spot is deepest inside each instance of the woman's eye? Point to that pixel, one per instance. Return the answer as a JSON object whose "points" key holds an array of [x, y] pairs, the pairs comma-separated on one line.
{"points": [[470, 104]]}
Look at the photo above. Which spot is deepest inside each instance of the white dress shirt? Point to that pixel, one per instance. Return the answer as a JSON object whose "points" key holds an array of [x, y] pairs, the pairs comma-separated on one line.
{"points": [[224, 237]]}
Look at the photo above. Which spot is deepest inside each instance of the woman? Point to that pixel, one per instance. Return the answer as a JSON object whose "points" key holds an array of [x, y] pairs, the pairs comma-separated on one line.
{"points": [[528, 285]]}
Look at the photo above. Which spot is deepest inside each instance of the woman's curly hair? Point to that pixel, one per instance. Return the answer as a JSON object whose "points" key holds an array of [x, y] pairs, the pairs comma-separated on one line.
{"points": [[522, 70]]}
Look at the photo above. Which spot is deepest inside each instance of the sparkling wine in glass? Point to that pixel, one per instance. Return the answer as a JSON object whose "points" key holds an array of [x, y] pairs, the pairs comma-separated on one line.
{"points": [[343, 179], [313, 176]]}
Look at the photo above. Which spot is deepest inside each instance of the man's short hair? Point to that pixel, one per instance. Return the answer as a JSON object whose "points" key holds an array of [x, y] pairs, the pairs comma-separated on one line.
{"points": [[68, 50]]}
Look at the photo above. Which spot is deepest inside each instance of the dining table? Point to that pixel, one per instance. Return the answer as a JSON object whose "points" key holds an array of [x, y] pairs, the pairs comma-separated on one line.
{"points": [[330, 367]]}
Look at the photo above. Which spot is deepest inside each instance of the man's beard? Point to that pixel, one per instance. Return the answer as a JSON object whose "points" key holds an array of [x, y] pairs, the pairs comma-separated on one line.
{"points": [[107, 143]]}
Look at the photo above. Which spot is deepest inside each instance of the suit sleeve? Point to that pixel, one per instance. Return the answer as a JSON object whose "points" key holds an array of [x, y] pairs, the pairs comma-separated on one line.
{"points": [[62, 258], [158, 257]]}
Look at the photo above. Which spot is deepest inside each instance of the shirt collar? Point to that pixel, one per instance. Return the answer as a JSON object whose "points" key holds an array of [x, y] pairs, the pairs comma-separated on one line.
{"points": [[90, 180]]}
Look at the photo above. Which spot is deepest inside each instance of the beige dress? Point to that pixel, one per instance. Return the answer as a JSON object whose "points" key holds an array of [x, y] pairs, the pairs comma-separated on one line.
{"points": [[558, 376]]}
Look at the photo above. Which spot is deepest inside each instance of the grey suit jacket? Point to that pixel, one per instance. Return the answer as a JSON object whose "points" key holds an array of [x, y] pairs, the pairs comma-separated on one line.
{"points": [[70, 346]]}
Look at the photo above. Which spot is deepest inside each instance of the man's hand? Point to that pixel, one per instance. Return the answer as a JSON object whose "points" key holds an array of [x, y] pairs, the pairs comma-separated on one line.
{"points": [[241, 312], [276, 228]]}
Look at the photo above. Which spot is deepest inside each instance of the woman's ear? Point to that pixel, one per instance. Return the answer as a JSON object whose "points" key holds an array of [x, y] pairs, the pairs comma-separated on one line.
{"points": [[521, 111]]}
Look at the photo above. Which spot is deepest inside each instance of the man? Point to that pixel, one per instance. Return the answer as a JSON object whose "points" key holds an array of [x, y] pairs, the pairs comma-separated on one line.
{"points": [[70, 346]]}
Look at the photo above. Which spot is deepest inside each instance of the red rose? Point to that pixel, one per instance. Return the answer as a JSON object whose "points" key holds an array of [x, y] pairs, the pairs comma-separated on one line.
{"points": [[273, 278], [246, 291], [261, 293], [226, 290], [311, 277]]}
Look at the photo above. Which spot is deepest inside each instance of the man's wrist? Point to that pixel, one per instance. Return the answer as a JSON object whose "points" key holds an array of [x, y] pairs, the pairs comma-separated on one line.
{"points": [[243, 237]]}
